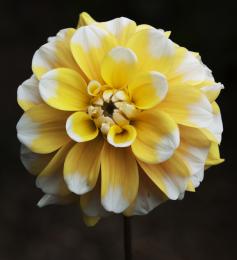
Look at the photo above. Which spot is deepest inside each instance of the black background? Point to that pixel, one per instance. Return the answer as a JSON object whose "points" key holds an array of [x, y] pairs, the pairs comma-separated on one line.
{"points": [[202, 226]]}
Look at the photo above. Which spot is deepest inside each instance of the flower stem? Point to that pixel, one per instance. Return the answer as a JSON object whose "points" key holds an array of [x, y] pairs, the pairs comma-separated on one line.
{"points": [[127, 238]]}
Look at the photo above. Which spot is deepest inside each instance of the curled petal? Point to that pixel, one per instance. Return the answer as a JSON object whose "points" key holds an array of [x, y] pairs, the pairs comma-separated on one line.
{"points": [[81, 128]]}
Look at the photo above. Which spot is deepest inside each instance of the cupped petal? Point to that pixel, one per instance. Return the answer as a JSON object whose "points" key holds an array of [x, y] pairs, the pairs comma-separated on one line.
{"points": [[64, 89], [42, 129], [154, 50], [214, 130], [121, 136], [170, 176], [121, 28], [89, 45], [28, 93], [119, 178], [51, 180], [148, 89], [212, 90], [82, 166], [187, 105], [34, 162], [149, 196], [55, 54], [81, 128], [119, 67], [157, 136]]}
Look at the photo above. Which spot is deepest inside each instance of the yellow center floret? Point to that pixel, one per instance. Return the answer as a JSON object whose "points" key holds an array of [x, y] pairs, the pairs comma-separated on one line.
{"points": [[112, 112]]}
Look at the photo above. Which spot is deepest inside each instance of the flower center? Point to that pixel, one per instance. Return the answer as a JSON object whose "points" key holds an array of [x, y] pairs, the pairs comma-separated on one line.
{"points": [[109, 106]]}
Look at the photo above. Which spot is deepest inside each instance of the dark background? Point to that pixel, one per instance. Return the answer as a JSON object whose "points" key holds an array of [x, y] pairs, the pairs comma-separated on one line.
{"points": [[202, 226]]}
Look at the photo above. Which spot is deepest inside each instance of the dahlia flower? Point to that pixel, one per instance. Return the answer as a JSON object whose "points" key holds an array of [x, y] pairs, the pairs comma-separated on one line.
{"points": [[117, 118]]}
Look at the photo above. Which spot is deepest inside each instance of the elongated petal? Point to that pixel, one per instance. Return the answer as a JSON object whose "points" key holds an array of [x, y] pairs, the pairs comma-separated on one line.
{"points": [[81, 128], [82, 166], [121, 137], [170, 176], [51, 179], [89, 45], [149, 196], [121, 28], [187, 105], [212, 91], [119, 177], [64, 89], [148, 89], [34, 162], [28, 94], [54, 54], [118, 67], [50, 199], [42, 129], [154, 50], [157, 136], [214, 130], [213, 157], [85, 19]]}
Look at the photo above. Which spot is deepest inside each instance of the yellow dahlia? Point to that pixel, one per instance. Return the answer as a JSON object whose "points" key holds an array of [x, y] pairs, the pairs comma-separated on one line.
{"points": [[118, 118]]}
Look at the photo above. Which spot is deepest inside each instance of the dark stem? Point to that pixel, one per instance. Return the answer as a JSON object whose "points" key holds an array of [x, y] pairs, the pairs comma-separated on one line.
{"points": [[127, 232]]}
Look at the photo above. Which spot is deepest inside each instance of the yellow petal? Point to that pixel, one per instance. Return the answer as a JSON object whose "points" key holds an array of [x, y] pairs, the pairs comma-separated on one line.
{"points": [[187, 105], [85, 19], [42, 129], [90, 221], [50, 180], [64, 89], [213, 157], [215, 128], [28, 94], [157, 136], [119, 67], [148, 89], [54, 54], [121, 136], [51, 199], [82, 166], [212, 90], [171, 176], [89, 45], [155, 51], [119, 177], [81, 128], [121, 28]]}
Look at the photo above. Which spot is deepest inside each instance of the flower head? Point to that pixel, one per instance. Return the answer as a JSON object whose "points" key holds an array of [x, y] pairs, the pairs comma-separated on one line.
{"points": [[117, 117]]}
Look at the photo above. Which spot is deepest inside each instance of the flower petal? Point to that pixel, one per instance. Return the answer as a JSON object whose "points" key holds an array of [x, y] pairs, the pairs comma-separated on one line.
{"points": [[170, 176], [89, 45], [121, 136], [82, 166], [213, 157], [119, 177], [154, 50], [85, 19], [28, 93], [49, 199], [187, 105], [212, 91], [148, 89], [54, 54], [42, 129], [34, 162], [51, 179], [157, 136], [118, 67], [149, 196], [122, 28], [214, 130], [81, 128], [64, 89]]}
